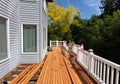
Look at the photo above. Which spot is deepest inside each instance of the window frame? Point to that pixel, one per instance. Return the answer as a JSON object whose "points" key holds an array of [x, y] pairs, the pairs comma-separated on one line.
{"points": [[28, 0], [23, 38], [8, 39]]}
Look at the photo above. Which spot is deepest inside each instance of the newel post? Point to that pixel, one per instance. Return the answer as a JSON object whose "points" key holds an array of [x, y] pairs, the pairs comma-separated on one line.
{"points": [[77, 52], [91, 61], [90, 51], [64, 43], [50, 43], [82, 47], [57, 43]]}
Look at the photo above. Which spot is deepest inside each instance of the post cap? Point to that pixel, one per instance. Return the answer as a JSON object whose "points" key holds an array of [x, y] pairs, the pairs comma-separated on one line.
{"points": [[90, 51]]}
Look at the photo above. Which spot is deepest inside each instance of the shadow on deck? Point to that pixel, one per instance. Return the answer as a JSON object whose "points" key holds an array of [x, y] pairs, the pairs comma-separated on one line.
{"points": [[59, 67]]}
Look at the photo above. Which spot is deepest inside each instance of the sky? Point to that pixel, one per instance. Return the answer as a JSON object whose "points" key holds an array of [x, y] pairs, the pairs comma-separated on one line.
{"points": [[87, 8]]}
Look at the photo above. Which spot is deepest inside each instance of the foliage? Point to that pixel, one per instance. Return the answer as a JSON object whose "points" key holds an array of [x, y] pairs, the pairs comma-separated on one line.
{"points": [[59, 21], [109, 6], [101, 33]]}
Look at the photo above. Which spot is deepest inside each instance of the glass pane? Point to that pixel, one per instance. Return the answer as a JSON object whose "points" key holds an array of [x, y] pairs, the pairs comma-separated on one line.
{"points": [[29, 38], [3, 39]]}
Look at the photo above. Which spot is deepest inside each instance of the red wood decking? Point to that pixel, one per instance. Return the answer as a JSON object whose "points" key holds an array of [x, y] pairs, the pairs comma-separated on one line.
{"points": [[57, 70]]}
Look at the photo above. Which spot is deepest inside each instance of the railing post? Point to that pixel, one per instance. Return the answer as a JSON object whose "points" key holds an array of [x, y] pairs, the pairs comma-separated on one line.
{"points": [[101, 71], [91, 61], [104, 70], [108, 74], [112, 75], [117, 77], [98, 70], [50, 43], [77, 51], [64, 44], [57, 43], [82, 46]]}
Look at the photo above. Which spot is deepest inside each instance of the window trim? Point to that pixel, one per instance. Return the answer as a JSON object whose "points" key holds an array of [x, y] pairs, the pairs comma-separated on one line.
{"points": [[28, 1], [27, 53], [8, 39]]}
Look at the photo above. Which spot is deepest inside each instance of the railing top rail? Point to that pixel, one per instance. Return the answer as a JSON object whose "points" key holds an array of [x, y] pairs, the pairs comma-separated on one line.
{"points": [[76, 45], [99, 67], [110, 63]]}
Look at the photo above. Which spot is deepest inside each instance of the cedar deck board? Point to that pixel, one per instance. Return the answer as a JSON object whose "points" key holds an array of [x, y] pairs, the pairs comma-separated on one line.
{"points": [[55, 70]]}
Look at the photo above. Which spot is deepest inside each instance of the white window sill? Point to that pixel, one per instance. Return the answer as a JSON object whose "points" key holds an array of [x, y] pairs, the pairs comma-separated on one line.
{"points": [[4, 60], [29, 53]]}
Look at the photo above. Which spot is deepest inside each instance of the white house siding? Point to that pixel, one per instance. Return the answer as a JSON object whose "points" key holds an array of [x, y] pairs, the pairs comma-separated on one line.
{"points": [[9, 9], [30, 13], [22, 13], [44, 24]]}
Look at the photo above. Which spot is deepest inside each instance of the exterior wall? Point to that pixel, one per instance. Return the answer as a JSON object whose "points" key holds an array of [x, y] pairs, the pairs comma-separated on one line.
{"points": [[33, 13], [44, 25], [20, 13], [9, 9], [29, 14]]}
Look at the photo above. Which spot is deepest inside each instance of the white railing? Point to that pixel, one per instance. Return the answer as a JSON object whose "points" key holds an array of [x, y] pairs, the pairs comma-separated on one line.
{"points": [[58, 43], [105, 71]]}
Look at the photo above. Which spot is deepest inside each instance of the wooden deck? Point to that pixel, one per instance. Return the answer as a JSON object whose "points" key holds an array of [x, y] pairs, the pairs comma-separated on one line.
{"points": [[55, 69]]}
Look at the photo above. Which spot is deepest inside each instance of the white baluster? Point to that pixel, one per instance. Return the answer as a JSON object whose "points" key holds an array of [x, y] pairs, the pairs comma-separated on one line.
{"points": [[56, 43], [112, 75], [104, 73], [101, 72], [108, 74], [50, 43], [117, 77], [98, 70], [95, 67]]}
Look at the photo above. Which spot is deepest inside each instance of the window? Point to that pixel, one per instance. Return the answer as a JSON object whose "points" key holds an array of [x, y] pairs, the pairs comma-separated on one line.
{"points": [[3, 39], [44, 38], [29, 0], [29, 38]]}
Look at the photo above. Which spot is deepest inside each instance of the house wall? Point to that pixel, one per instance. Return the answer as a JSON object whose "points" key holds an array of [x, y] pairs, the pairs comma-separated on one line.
{"points": [[44, 25], [32, 13], [20, 13], [9, 10]]}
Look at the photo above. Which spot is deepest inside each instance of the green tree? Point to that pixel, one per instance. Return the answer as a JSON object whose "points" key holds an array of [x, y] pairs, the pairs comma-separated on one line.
{"points": [[109, 6], [60, 20]]}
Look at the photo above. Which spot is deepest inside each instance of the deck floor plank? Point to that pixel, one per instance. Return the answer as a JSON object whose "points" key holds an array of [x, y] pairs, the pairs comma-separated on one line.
{"points": [[55, 71], [57, 68]]}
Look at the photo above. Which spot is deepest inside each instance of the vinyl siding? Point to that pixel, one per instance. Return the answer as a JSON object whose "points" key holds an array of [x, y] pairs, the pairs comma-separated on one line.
{"points": [[20, 13], [31, 13], [44, 25], [9, 9]]}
